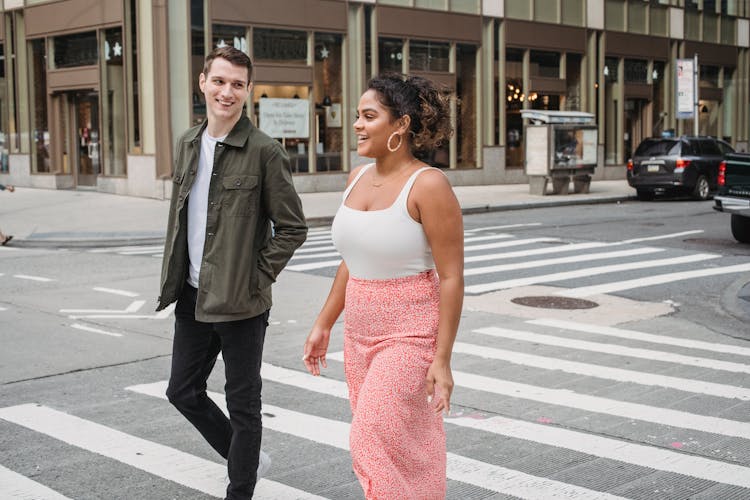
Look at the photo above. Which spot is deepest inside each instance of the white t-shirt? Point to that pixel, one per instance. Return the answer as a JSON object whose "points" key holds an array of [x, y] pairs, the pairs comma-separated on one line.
{"points": [[198, 206]]}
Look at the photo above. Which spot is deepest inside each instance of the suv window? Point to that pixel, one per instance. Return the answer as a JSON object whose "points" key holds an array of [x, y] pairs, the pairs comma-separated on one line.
{"points": [[690, 147], [658, 147], [709, 148], [725, 148]]}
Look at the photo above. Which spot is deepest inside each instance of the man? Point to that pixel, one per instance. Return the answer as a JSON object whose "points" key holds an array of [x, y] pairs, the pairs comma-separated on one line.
{"points": [[231, 183]]}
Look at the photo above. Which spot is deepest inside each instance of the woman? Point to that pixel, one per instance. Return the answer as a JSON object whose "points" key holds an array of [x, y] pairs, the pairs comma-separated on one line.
{"points": [[400, 232]]}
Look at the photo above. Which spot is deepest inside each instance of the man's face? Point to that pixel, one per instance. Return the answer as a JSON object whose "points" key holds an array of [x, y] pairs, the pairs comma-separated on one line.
{"points": [[226, 88]]}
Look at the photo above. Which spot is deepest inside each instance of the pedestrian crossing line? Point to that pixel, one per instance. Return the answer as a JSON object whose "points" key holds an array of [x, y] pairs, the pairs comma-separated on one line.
{"points": [[590, 271], [314, 249], [459, 468], [605, 372], [504, 244], [169, 463], [317, 230], [662, 236], [508, 226], [591, 444], [596, 404], [128, 248], [618, 350], [490, 237], [316, 255], [646, 337], [33, 278], [561, 260], [142, 252], [313, 265], [659, 279], [318, 237], [316, 242], [18, 486]]}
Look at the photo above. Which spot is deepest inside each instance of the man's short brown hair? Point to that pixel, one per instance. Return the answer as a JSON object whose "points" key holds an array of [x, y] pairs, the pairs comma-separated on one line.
{"points": [[235, 56]]}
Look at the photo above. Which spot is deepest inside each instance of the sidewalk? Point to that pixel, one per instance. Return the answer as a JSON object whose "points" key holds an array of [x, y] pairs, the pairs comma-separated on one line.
{"points": [[60, 218]]}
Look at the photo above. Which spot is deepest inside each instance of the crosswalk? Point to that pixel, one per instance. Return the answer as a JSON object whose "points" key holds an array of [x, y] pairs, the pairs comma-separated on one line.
{"points": [[543, 408], [497, 259]]}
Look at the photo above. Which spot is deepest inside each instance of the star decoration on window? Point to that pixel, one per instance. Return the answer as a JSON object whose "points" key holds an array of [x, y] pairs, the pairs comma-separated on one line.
{"points": [[324, 53], [117, 49], [221, 44]]}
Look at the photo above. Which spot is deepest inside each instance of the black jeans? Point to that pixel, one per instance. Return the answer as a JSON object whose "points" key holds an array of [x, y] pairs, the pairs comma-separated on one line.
{"points": [[194, 352]]}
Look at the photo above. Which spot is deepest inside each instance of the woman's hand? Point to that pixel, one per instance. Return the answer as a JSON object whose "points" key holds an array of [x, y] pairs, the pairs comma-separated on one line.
{"points": [[316, 346], [440, 381]]}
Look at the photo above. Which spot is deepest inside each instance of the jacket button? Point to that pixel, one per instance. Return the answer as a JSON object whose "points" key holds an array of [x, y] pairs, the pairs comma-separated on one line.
{"points": [[210, 234], [237, 182], [192, 172]]}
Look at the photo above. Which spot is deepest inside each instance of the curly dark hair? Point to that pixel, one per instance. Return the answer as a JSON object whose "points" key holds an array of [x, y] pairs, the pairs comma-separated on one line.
{"points": [[426, 102]]}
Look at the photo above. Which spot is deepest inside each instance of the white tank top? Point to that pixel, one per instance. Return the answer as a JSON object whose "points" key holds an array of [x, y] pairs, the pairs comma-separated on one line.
{"points": [[381, 244]]}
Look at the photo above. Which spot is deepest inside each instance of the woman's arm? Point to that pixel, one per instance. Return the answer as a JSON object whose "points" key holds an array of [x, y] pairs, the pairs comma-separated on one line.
{"points": [[440, 215]]}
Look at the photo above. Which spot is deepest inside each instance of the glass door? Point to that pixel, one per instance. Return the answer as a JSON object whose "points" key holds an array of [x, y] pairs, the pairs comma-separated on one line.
{"points": [[86, 137]]}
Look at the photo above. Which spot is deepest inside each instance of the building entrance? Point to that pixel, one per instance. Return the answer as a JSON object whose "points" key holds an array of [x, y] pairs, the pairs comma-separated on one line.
{"points": [[637, 120], [77, 140]]}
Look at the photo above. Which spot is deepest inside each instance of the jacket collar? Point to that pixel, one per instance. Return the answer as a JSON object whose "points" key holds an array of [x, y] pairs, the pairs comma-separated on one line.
{"points": [[237, 136]]}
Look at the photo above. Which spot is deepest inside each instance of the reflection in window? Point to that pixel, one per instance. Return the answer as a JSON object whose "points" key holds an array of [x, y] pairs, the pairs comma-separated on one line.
{"points": [[390, 55], [466, 132], [112, 146], [429, 56], [40, 162], [3, 114], [328, 102], [279, 46], [513, 105], [76, 50]]}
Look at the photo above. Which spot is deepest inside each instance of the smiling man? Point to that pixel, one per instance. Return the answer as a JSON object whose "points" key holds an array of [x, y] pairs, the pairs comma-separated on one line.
{"points": [[231, 183]]}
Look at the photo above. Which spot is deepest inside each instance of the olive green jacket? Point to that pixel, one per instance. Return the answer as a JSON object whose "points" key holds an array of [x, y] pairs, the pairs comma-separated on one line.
{"points": [[251, 188]]}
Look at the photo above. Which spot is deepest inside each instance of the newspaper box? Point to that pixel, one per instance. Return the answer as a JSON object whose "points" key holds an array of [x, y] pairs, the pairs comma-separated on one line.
{"points": [[559, 145]]}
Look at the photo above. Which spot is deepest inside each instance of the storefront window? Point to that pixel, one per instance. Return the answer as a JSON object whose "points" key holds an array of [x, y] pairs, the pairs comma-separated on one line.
{"points": [[513, 105], [573, 82], [131, 65], [76, 50], [466, 130], [636, 71], [545, 64], [40, 162], [610, 69], [279, 46], [232, 36], [283, 113], [3, 114], [659, 114], [328, 97], [429, 56], [197, 57], [112, 146], [729, 105], [391, 55], [368, 42], [709, 76]]}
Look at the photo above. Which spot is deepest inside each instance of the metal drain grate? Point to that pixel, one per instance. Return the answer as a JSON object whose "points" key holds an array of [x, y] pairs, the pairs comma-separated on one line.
{"points": [[553, 302]]}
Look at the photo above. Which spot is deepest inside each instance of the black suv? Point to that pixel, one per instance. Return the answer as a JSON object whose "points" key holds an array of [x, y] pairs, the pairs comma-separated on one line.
{"points": [[677, 164]]}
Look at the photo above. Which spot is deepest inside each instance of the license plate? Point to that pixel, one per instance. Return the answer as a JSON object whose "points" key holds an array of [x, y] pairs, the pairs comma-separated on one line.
{"points": [[652, 168]]}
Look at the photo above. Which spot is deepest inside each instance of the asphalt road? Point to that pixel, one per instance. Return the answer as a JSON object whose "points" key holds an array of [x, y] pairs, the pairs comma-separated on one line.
{"points": [[645, 395]]}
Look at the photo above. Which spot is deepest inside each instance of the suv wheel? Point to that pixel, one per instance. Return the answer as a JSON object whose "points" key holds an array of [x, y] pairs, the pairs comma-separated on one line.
{"points": [[645, 195], [701, 189], [741, 228]]}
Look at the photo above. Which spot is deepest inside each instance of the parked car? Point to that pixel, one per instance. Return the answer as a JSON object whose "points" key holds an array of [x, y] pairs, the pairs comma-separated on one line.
{"points": [[685, 164], [734, 194]]}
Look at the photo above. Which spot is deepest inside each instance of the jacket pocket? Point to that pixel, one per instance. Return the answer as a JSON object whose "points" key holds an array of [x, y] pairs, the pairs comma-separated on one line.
{"points": [[240, 195]]}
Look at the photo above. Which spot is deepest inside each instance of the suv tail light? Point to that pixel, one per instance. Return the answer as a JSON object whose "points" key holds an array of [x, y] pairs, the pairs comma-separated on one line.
{"points": [[722, 180], [630, 165], [681, 164]]}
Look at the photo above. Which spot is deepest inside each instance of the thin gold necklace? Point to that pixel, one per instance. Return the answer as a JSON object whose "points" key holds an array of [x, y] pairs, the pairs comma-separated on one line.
{"points": [[390, 178]]}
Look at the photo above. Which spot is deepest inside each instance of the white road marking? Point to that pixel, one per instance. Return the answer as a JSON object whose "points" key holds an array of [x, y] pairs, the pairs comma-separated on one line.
{"points": [[32, 278], [586, 257], [316, 256], [130, 248], [659, 279], [336, 433], [85, 328], [600, 446], [115, 291], [3, 309], [490, 237], [18, 486], [163, 314], [134, 306], [503, 244], [169, 463], [596, 404], [313, 265], [662, 236], [646, 337], [509, 226], [143, 252], [314, 249], [618, 350], [590, 271], [605, 372]]}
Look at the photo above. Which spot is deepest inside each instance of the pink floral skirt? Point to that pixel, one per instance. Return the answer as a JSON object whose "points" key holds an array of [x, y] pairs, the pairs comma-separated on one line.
{"points": [[397, 440]]}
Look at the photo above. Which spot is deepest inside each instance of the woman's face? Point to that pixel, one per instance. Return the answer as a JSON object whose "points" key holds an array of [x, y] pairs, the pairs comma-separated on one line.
{"points": [[373, 126]]}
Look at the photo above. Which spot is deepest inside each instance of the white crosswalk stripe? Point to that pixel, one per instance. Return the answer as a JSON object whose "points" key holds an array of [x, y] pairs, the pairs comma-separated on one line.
{"points": [[19, 487]]}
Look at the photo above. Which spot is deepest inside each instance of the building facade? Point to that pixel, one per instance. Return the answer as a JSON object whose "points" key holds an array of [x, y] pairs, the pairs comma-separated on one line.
{"points": [[93, 93]]}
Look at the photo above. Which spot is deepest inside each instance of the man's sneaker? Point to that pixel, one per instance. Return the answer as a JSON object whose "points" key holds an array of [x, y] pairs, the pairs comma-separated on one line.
{"points": [[264, 463]]}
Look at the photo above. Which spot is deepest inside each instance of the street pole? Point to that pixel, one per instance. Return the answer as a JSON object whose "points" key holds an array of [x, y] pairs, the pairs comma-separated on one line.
{"points": [[696, 111]]}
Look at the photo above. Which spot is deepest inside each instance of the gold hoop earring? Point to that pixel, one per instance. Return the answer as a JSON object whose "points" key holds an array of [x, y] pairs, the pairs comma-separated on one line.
{"points": [[400, 140]]}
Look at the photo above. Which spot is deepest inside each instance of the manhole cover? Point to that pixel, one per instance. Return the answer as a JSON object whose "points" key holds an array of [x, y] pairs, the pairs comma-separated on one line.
{"points": [[548, 302]]}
